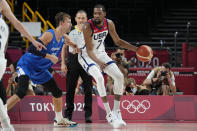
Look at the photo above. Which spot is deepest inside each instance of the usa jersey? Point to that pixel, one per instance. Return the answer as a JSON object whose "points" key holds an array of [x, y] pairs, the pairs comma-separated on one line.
{"points": [[98, 36], [37, 67]]}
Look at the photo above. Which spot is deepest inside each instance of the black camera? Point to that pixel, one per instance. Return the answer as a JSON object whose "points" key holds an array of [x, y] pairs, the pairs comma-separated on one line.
{"points": [[118, 55], [128, 89], [163, 73]]}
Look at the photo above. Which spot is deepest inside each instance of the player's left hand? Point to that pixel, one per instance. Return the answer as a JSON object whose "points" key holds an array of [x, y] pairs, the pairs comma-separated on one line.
{"points": [[64, 68]]}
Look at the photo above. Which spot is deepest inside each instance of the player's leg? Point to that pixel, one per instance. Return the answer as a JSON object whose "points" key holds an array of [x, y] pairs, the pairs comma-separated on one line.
{"points": [[57, 102], [4, 118], [87, 83], [90, 67], [23, 83], [113, 71]]}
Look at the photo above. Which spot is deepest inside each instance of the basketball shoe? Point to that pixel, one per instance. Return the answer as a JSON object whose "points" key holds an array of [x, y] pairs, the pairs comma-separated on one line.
{"points": [[64, 123], [118, 115], [113, 120]]}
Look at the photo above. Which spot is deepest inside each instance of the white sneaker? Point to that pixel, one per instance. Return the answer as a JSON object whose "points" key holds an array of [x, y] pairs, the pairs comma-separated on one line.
{"points": [[119, 117], [64, 123], [113, 120], [11, 128]]}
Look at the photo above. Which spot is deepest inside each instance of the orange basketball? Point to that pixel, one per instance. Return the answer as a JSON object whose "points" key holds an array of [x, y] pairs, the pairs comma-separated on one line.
{"points": [[144, 53]]}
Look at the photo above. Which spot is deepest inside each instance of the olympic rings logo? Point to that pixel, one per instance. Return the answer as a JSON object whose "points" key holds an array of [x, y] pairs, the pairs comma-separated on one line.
{"points": [[136, 106]]}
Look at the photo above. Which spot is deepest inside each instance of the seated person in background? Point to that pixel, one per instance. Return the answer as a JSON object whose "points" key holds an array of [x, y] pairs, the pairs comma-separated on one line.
{"points": [[133, 89], [161, 80], [13, 82]]}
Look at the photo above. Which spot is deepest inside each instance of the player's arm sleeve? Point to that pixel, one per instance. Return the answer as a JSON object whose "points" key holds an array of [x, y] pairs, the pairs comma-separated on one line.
{"points": [[151, 75], [32, 49]]}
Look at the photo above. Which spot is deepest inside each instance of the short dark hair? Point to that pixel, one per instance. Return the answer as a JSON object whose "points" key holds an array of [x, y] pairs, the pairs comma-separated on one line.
{"points": [[81, 11], [61, 17], [100, 6], [167, 65]]}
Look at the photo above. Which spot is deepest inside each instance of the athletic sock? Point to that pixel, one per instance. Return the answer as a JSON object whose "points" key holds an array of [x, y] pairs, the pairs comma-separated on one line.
{"points": [[107, 108], [116, 106], [58, 116]]}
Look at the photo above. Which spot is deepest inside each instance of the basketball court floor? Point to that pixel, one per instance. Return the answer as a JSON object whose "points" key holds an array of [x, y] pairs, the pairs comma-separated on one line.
{"points": [[106, 127]]}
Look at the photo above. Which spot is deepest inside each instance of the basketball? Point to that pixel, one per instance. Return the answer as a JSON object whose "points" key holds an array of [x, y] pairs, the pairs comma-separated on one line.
{"points": [[144, 53]]}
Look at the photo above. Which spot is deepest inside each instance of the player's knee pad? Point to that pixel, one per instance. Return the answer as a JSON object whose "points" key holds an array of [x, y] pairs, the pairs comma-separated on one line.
{"points": [[2, 93], [53, 88], [23, 84], [57, 93], [118, 83]]}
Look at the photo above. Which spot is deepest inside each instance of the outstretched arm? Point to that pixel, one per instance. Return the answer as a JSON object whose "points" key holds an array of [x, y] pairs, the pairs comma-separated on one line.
{"points": [[45, 39], [87, 31], [117, 40], [6, 11]]}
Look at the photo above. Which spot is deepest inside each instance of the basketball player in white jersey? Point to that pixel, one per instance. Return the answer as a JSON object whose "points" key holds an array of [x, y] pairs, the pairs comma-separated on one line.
{"points": [[4, 33], [93, 59]]}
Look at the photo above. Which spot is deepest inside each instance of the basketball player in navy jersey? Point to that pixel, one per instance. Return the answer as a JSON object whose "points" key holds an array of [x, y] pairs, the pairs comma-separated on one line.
{"points": [[34, 66], [4, 33], [94, 56]]}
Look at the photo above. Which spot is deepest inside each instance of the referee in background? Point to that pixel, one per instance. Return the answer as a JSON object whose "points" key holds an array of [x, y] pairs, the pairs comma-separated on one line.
{"points": [[74, 70]]}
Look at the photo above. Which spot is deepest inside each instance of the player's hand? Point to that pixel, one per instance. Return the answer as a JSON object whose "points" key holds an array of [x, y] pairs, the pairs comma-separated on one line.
{"points": [[67, 38], [38, 45], [64, 68], [76, 50], [53, 58], [102, 65]]}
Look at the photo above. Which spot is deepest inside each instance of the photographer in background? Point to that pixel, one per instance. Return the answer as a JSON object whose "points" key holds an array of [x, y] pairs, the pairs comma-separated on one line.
{"points": [[161, 80], [13, 82], [133, 89]]}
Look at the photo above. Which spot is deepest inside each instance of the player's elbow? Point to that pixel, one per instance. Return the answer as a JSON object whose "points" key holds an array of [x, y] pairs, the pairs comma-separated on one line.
{"points": [[117, 42]]}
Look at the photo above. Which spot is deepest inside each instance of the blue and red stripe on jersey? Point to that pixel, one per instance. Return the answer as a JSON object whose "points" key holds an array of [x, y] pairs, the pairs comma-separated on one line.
{"points": [[96, 29]]}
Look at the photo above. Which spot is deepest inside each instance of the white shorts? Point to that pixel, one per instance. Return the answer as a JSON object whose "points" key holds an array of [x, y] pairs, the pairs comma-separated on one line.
{"points": [[86, 62], [3, 63]]}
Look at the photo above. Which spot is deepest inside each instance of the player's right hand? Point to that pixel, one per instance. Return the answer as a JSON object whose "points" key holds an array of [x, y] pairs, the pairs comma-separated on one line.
{"points": [[54, 59], [38, 45], [64, 68], [102, 65]]}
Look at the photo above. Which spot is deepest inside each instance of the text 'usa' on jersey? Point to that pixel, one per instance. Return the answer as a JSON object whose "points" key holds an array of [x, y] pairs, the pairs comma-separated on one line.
{"points": [[98, 35]]}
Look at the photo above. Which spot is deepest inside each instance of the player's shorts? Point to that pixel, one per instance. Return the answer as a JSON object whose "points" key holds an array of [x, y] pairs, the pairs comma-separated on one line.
{"points": [[37, 77], [86, 62]]}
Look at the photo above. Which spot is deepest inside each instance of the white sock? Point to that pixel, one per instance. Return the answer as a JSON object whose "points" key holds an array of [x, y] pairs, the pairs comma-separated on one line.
{"points": [[107, 107], [116, 106], [4, 118], [58, 116]]}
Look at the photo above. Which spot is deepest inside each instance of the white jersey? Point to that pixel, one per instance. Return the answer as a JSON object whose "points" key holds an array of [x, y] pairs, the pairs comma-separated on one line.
{"points": [[4, 32], [98, 36]]}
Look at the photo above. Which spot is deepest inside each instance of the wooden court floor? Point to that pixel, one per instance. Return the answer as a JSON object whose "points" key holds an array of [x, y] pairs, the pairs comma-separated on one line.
{"points": [[107, 127]]}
